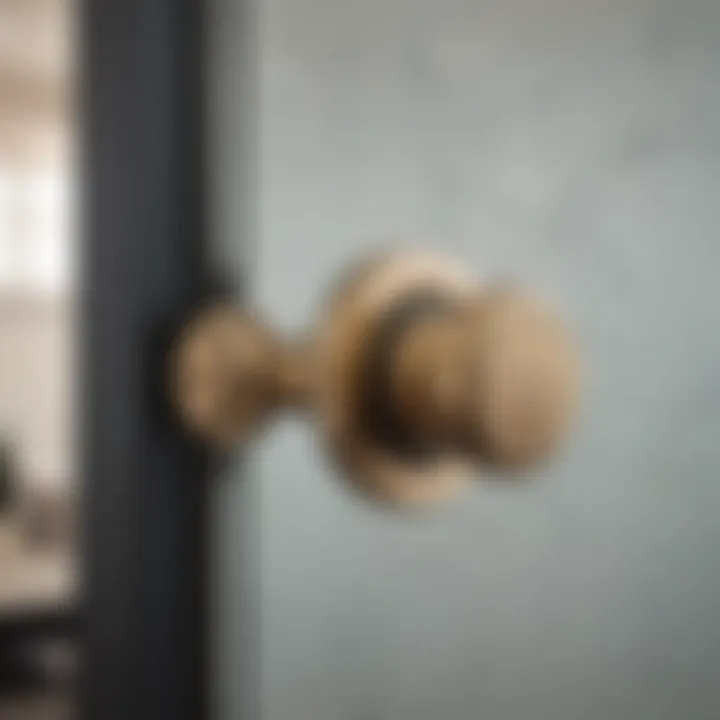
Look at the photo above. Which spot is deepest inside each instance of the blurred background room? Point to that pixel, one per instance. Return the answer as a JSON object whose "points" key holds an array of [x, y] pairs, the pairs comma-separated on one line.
{"points": [[37, 481]]}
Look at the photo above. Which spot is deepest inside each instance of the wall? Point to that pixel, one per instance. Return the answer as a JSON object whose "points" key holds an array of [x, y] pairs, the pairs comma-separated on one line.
{"points": [[572, 144]]}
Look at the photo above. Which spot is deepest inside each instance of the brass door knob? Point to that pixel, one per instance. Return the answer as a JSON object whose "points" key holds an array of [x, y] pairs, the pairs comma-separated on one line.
{"points": [[416, 374]]}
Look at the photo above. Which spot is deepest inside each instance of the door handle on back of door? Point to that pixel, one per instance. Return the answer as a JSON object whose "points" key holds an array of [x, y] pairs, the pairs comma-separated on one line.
{"points": [[415, 374]]}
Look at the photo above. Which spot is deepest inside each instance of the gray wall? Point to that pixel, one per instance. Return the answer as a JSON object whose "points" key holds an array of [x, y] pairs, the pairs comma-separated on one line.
{"points": [[573, 144]]}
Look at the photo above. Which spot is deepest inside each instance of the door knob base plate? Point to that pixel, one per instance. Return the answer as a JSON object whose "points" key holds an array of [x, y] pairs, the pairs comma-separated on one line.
{"points": [[357, 310]]}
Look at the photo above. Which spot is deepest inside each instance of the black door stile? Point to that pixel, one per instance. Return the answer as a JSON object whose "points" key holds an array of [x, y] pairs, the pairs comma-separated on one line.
{"points": [[145, 263]]}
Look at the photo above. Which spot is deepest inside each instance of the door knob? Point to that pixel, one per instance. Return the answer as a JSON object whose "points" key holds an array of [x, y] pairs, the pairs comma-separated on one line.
{"points": [[415, 373]]}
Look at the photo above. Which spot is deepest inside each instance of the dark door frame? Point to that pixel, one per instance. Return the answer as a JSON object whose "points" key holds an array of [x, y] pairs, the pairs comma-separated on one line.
{"points": [[145, 492]]}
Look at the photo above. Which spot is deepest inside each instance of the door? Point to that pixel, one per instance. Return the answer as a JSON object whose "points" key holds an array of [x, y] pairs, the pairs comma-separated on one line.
{"points": [[571, 145]]}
